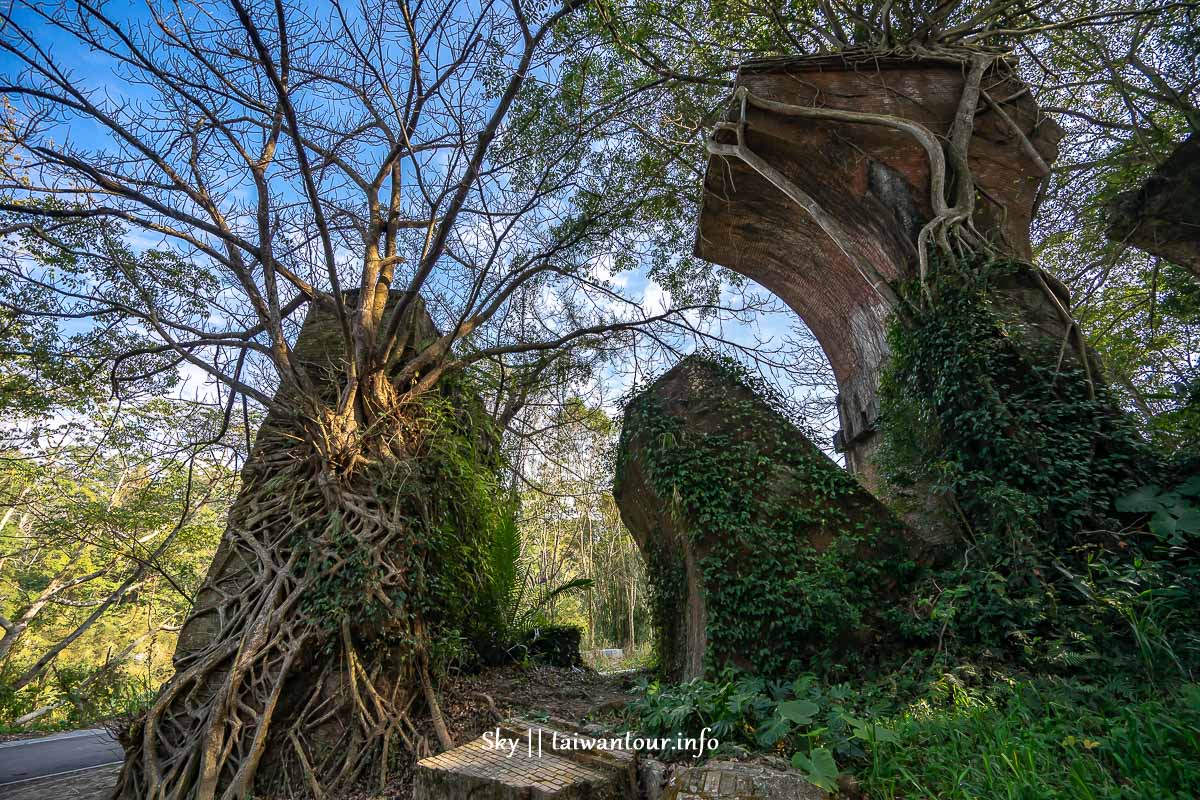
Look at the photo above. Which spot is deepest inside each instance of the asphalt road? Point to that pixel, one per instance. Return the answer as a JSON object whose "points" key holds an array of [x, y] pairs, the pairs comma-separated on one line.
{"points": [[30, 759]]}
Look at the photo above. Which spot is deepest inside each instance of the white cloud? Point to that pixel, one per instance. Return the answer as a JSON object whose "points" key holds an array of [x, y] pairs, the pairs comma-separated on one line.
{"points": [[604, 273], [656, 299]]}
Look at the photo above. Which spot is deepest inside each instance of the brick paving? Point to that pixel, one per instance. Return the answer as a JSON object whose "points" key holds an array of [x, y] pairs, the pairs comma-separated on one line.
{"points": [[726, 780], [532, 770], [703, 784], [546, 772]]}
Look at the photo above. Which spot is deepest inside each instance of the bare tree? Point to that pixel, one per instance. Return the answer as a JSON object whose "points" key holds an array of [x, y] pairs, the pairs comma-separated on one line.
{"points": [[215, 172]]}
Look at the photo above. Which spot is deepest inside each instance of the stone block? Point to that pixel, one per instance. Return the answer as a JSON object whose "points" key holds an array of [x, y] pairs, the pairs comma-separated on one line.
{"points": [[730, 780], [693, 561], [541, 766]]}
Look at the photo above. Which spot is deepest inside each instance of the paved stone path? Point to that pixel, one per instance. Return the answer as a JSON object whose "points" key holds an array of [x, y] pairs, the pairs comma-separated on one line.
{"points": [[518, 769]]}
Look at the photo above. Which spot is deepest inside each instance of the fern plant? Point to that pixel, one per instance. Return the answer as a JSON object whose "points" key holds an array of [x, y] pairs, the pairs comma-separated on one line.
{"points": [[515, 596]]}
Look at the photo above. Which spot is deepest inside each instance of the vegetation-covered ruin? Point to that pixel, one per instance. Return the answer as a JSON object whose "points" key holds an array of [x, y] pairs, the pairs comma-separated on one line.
{"points": [[417, 246], [751, 535]]}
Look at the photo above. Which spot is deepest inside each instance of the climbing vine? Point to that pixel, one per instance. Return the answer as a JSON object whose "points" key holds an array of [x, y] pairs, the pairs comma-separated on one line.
{"points": [[1024, 441], [1006, 420], [797, 561]]}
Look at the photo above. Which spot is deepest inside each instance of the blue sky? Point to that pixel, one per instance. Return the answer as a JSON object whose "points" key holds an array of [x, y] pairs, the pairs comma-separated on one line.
{"points": [[769, 329]]}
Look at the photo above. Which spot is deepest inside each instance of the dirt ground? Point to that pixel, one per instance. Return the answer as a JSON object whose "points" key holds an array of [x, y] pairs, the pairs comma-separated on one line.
{"points": [[471, 704], [578, 696]]}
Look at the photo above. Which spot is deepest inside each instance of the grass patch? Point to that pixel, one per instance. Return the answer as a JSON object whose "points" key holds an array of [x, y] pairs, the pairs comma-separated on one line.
{"points": [[1041, 740]]}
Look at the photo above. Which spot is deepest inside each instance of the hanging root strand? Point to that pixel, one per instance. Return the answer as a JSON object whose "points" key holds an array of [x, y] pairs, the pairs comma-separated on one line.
{"points": [[951, 228]]}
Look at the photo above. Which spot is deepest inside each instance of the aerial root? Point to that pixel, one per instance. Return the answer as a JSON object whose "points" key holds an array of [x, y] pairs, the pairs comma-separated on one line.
{"points": [[277, 700], [952, 229]]}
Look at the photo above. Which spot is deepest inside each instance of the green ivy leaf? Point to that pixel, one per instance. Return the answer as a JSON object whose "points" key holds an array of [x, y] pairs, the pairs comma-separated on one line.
{"points": [[819, 767]]}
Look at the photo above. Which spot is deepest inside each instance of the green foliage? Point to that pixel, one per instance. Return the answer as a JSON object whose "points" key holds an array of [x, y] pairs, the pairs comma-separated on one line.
{"points": [[557, 645], [508, 574], [747, 713], [513, 591], [751, 499], [953, 736], [1043, 740], [88, 693], [450, 505], [985, 411], [347, 594], [668, 594], [819, 766], [1034, 457], [473, 589], [514, 600], [1176, 513], [83, 512], [572, 528], [52, 360], [465, 505], [1143, 321]]}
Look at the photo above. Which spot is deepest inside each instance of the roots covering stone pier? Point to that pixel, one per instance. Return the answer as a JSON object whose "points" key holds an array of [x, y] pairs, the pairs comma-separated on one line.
{"points": [[353, 544]]}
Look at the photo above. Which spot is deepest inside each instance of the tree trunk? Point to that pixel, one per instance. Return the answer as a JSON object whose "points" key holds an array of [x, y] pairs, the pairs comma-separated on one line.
{"points": [[302, 661], [632, 608]]}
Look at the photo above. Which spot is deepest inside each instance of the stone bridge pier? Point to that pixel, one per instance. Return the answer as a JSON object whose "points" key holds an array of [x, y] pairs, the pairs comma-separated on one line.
{"points": [[875, 181]]}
